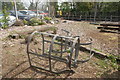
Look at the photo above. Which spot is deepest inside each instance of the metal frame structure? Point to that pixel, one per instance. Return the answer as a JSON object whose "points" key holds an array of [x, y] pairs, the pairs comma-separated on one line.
{"points": [[71, 43]]}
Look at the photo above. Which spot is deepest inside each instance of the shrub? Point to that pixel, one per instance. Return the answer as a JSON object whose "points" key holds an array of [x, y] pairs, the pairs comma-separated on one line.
{"points": [[35, 22], [47, 18], [5, 18], [25, 22], [42, 23]]}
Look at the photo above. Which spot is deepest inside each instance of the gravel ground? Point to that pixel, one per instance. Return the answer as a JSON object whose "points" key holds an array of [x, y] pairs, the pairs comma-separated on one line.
{"points": [[102, 41], [15, 62]]}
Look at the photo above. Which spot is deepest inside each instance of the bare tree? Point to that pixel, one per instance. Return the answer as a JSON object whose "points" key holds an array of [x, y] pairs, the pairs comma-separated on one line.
{"points": [[15, 9], [95, 11], [35, 3]]}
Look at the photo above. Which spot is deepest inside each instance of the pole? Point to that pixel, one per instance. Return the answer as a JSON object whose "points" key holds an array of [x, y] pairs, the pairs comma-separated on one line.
{"points": [[37, 9], [16, 10], [95, 13]]}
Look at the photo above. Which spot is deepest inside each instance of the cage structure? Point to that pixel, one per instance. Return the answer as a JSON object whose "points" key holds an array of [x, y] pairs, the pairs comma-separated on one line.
{"points": [[54, 48]]}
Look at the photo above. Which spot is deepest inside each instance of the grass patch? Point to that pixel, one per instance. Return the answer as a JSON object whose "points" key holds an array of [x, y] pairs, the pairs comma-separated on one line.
{"points": [[35, 22], [22, 36], [47, 18], [109, 63], [97, 50]]}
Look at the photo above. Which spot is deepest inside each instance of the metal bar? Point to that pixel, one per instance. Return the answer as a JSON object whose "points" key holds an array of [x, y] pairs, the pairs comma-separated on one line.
{"points": [[69, 45], [60, 72], [57, 43], [52, 57], [43, 47], [44, 33], [28, 43], [68, 42], [61, 47], [65, 44], [58, 51], [76, 51], [50, 50], [71, 51]]}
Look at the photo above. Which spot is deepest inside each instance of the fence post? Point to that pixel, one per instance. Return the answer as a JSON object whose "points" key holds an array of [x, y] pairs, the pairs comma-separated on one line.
{"points": [[80, 17], [105, 19], [86, 17], [90, 18], [111, 18]]}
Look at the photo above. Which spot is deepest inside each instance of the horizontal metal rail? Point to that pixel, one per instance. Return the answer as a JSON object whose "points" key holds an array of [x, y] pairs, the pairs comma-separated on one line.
{"points": [[70, 43]]}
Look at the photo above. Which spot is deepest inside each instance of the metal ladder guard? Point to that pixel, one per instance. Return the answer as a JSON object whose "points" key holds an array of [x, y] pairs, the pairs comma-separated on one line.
{"points": [[78, 45], [76, 40]]}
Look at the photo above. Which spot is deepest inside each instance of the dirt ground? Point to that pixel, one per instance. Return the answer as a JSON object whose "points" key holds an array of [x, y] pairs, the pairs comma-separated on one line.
{"points": [[15, 60]]}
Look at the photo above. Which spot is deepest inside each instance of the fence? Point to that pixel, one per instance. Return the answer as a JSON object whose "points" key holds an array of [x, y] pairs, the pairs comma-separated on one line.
{"points": [[89, 16]]}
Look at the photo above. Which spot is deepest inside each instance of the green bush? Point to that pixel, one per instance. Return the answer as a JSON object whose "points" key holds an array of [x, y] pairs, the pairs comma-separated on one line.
{"points": [[25, 22], [47, 18], [35, 22], [5, 18], [42, 23]]}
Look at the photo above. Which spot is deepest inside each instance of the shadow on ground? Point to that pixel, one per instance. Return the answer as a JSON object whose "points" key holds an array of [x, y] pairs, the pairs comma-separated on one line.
{"points": [[23, 70], [108, 74]]}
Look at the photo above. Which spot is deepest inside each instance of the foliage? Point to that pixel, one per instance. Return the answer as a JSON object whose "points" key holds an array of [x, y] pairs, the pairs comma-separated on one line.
{"points": [[20, 5], [113, 61], [32, 7], [35, 22], [10, 5], [89, 7], [109, 62], [5, 18], [22, 36], [84, 6], [97, 50], [110, 7], [65, 7], [25, 22], [47, 18]]}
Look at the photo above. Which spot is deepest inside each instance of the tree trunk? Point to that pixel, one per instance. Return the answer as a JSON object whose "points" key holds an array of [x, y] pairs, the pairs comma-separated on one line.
{"points": [[95, 12], [37, 9], [16, 10]]}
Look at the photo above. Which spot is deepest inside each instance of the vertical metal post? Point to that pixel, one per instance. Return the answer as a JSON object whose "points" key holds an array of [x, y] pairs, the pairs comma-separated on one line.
{"points": [[65, 44], [111, 18], [71, 51], [80, 17], [43, 47], [86, 17], [105, 19], [90, 18], [76, 51], [50, 50], [61, 47]]}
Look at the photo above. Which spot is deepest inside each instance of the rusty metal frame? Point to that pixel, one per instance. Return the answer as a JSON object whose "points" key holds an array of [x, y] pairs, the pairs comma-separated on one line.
{"points": [[73, 45]]}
